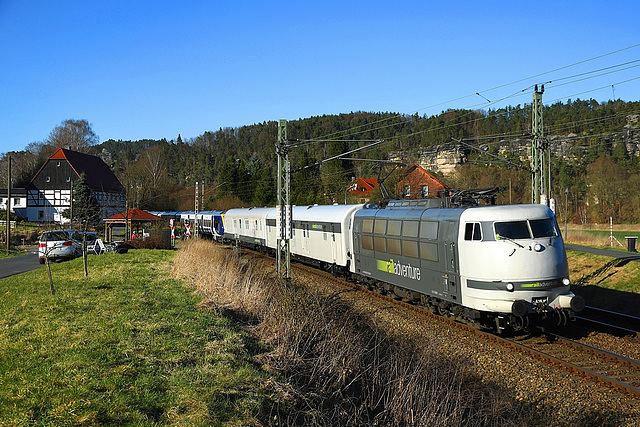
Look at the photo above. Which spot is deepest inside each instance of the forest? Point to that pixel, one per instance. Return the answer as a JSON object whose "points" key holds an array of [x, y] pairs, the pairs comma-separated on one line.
{"points": [[236, 166]]}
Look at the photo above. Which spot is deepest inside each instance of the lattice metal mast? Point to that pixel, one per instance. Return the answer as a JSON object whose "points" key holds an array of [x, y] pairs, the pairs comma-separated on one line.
{"points": [[540, 156], [283, 204]]}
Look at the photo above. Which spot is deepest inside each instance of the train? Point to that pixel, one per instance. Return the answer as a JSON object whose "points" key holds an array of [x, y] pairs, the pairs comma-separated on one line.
{"points": [[496, 267]]}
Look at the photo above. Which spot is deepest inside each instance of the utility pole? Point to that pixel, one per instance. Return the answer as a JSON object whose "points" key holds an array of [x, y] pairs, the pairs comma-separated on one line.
{"points": [[283, 204], [195, 225], [8, 233], [71, 205], [540, 154]]}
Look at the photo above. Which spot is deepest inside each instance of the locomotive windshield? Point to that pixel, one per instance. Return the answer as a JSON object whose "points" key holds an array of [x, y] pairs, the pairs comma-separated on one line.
{"points": [[535, 228]]}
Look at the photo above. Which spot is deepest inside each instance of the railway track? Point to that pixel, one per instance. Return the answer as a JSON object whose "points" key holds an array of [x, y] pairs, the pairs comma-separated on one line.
{"points": [[600, 366], [610, 321]]}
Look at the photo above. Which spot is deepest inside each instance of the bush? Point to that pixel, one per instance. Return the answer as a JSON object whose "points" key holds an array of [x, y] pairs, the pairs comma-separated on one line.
{"points": [[152, 242], [340, 366]]}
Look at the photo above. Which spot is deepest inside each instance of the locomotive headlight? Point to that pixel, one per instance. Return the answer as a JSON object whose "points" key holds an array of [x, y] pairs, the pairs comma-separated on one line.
{"points": [[566, 281], [538, 247], [510, 287]]}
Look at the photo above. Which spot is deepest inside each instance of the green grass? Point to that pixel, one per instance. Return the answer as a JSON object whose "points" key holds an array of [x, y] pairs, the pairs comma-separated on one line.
{"points": [[605, 272], [127, 345]]}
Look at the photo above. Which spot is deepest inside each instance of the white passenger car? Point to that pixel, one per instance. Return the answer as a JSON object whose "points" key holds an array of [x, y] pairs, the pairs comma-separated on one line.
{"points": [[57, 245], [248, 225], [319, 233]]}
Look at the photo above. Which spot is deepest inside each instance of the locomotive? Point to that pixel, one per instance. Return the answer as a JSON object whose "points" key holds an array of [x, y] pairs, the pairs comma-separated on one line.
{"points": [[500, 267]]}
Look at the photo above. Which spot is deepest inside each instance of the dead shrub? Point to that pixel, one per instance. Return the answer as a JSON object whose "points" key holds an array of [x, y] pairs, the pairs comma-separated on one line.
{"points": [[340, 367]]}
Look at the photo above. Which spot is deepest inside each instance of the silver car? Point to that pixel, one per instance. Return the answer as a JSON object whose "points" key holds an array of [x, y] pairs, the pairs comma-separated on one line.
{"points": [[57, 245]]}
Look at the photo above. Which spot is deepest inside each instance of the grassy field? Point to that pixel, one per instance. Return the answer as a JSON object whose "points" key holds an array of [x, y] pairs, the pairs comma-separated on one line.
{"points": [[128, 345], [603, 271], [133, 345]]}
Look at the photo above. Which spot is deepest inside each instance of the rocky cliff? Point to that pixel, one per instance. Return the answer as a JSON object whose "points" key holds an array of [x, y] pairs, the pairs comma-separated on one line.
{"points": [[445, 158]]}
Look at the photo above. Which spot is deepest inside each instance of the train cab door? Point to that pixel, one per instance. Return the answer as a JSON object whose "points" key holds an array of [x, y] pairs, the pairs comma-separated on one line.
{"points": [[450, 238]]}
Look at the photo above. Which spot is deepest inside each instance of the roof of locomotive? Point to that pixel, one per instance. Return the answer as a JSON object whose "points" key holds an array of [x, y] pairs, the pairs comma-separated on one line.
{"points": [[507, 212]]}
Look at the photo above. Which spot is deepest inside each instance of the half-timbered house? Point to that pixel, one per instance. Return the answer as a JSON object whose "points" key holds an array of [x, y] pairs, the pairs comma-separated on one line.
{"points": [[50, 190]]}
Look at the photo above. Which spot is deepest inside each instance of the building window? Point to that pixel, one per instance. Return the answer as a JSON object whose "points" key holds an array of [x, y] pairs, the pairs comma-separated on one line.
{"points": [[68, 179], [425, 190], [58, 164], [406, 191], [48, 179]]}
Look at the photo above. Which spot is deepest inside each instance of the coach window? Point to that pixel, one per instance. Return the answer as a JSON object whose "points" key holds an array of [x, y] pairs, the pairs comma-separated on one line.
{"points": [[380, 226], [410, 229], [429, 230], [380, 244], [393, 246], [393, 228], [472, 231]]}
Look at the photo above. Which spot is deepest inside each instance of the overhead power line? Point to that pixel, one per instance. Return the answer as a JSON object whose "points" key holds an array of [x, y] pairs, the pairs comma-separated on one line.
{"points": [[520, 92]]}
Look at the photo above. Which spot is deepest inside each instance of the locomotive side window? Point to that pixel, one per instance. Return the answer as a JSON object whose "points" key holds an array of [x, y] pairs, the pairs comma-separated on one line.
{"points": [[380, 226], [543, 227], [393, 246], [367, 242], [410, 228], [367, 226], [410, 248], [512, 230], [429, 230], [380, 244], [472, 231], [429, 251], [393, 229]]}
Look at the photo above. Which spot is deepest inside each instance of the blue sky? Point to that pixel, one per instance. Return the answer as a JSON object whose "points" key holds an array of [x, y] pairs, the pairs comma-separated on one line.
{"points": [[156, 69]]}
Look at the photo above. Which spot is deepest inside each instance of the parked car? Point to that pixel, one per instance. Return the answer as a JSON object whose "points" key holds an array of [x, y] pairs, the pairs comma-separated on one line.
{"points": [[91, 238], [57, 245]]}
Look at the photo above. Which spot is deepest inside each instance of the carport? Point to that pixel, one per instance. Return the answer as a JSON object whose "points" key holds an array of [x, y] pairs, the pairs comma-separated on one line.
{"points": [[122, 225]]}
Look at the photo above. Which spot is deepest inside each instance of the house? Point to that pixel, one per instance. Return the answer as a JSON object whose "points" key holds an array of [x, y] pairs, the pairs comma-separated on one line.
{"points": [[363, 187], [50, 190], [418, 183], [18, 201]]}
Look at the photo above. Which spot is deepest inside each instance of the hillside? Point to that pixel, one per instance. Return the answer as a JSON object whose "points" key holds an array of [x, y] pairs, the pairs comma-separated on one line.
{"points": [[595, 162]]}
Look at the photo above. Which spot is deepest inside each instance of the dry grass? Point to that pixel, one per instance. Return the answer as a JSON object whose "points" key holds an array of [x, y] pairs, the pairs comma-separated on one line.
{"points": [[337, 367]]}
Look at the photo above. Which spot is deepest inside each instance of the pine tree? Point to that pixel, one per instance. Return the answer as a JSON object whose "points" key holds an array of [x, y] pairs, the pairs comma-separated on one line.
{"points": [[85, 208]]}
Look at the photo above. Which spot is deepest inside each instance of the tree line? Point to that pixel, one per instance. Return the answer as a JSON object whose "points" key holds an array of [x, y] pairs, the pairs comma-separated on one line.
{"points": [[237, 166]]}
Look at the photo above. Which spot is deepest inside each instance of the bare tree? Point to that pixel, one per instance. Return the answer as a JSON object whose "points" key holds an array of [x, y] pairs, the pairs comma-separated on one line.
{"points": [[154, 163], [73, 134]]}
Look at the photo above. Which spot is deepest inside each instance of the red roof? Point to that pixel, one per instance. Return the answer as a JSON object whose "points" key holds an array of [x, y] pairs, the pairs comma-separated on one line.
{"points": [[363, 186], [135, 214]]}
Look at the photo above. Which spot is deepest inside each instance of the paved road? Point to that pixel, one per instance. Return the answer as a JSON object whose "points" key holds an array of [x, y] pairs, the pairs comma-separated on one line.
{"points": [[18, 264], [633, 256]]}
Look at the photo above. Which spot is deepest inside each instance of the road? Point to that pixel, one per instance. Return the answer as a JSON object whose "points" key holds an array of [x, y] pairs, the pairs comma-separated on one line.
{"points": [[632, 256], [19, 264]]}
